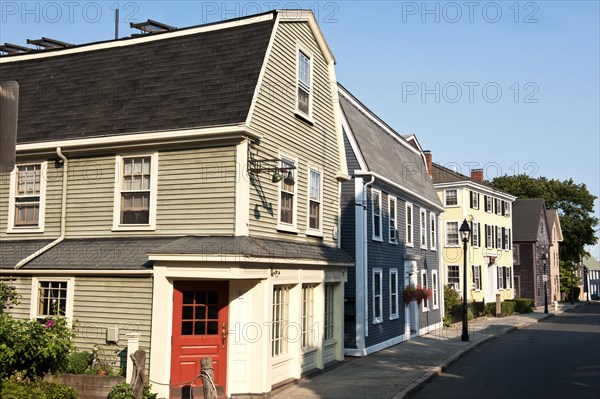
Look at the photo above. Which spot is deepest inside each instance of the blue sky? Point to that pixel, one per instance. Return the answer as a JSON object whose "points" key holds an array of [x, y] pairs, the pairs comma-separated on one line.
{"points": [[512, 87]]}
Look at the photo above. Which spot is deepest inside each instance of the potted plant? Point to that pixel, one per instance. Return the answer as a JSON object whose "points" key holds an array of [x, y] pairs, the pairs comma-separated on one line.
{"points": [[410, 294], [99, 364]]}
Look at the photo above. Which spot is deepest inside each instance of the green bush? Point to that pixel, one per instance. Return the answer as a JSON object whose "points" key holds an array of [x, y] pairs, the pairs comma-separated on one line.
{"points": [[478, 308], [12, 389], [576, 292], [123, 391], [522, 305], [490, 309], [507, 308], [79, 362], [451, 300]]}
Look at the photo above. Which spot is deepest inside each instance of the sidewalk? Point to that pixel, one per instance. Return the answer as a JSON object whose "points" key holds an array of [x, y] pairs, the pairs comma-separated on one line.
{"points": [[395, 372]]}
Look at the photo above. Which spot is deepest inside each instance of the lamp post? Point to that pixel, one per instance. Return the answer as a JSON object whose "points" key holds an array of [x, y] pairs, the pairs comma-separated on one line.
{"points": [[545, 277], [465, 232]]}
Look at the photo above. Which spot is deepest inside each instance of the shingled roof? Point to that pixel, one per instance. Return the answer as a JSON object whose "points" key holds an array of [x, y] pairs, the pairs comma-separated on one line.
{"points": [[383, 151], [178, 81], [526, 216]]}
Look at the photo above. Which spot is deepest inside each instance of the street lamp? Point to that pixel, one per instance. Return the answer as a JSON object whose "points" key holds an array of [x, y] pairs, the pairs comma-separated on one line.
{"points": [[465, 232], [545, 277]]}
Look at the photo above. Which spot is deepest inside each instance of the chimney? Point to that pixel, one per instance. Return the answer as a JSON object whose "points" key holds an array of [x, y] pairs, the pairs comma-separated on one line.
{"points": [[477, 175], [428, 162]]}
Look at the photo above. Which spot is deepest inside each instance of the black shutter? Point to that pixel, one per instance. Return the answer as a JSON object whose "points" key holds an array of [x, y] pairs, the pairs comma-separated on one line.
{"points": [[471, 226], [504, 243], [479, 233], [487, 244], [509, 239], [485, 204], [471, 199], [478, 201]]}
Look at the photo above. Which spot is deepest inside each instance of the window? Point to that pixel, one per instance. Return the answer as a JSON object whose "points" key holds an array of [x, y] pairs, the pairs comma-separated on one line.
{"points": [[435, 289], [27, 198], [476, 277], [509, 278], [517, 289], [376, 214], [308, 296], [423, 229], [281, 295], [453, 277], [377, 304], [451, 198], [136, 190], [329, 328], [52, 298], [498, 206], [501, 277], [506, 240], [489, 204], [506, 208], [498, 237], [475, 241], [409, 225], [474, 200], [287, 196], [392, 222], [504, 278], [489, 236], [452, 234], [393, 294], [314, 200], [424, 303], [433, 231], [516, 259], [304, 87]]}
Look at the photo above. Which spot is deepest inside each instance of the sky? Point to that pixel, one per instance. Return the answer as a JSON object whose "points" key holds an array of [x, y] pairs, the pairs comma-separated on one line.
{"points": [[510, 87]]}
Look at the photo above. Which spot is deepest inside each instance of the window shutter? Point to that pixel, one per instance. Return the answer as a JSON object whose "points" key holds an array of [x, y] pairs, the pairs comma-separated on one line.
{"points": [[485, 204], [479, 233], [504, 243], [487, 244], [503, 208], [471, 199], [471, 230], [478, 201], [509, 239]]}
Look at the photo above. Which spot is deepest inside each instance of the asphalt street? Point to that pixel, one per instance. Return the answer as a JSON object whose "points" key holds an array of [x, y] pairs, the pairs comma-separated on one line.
{"points": [[556, 358]]}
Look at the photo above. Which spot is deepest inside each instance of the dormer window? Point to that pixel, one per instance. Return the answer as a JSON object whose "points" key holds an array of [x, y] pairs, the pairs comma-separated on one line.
{"points": [[27, 198]]}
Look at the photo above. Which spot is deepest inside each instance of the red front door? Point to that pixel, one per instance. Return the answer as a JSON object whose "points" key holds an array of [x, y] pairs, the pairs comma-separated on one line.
{"points": [[199, 330]]}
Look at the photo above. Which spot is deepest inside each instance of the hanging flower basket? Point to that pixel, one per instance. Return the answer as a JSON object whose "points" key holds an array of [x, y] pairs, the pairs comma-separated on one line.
{"points": [[410, 294], [422, 293]]}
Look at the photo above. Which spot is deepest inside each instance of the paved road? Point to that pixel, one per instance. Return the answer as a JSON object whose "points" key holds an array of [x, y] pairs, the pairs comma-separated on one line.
{"points": [[556, 358]]}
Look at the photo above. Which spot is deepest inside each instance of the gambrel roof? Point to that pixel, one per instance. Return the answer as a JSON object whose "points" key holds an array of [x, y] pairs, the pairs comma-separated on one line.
{"points": [[190, 78]]}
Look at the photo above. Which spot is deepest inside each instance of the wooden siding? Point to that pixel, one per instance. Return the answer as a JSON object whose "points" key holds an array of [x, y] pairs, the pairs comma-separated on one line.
{"points": [[195, 195], [313, 145], [23, 287]]}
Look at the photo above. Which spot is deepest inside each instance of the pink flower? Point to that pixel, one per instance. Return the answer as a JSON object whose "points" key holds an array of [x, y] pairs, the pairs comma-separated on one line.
{"points": [[49, 324]]}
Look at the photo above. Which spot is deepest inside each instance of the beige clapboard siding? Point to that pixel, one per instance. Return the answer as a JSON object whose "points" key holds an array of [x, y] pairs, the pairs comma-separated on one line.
{"points": [[23, 287], [103, 302], [283, 131]]}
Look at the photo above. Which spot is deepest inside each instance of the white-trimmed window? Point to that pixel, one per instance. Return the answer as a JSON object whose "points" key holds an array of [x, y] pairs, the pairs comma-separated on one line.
{"points": [[27, 198], [474, 199], [281, 318], [377, 300], [498, 237], [506, 240], [476, 277], [135, 193], [329, 327], [452, 234], [52, 297], [423, 221], [409, 225], [451, 197], [489, 203], [393, 226], [304, 93], [315, 200], [435, 291], [376, 214], [393, 294], [516, 258], [424, 284], [489, 236], [433, 231], [287, 198], [308, 323], [504, 277], [498, 206], [475, 234], [453, 277], [506, 208]]}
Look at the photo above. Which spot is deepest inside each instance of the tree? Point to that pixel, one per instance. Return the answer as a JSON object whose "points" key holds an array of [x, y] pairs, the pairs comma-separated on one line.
{"points": [[575, 207]]}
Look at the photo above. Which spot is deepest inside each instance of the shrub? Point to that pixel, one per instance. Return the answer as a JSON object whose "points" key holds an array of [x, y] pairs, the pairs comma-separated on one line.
{"points": [[478, 308], [576, 292], [451, 300], [8, 296], [12, 389], [523, 305], [490, 309], [507, 308], [123, 391], [79, 362]]}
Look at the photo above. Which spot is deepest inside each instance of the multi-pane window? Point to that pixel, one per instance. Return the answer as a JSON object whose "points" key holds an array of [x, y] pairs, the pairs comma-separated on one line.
{"points": [[52, 299], [307, 315], [424, 284], [489, 204], [451, 197], [475, 234], [376, 213], [434, 289], [506, 209], [287, 195], [28, 195], [393, 226], [506, 243], [409, 224], [200, 312], [477, 277], [474, 200], [393, 293], [516, 259], [304, 89], [433, 231], [314, 201], [504, 277], [451, 233], [498, 206], [329, 328], [281, 295], [498, 237], [489, 236], [377, 302], [423, 221], [136, 191], [453, 277]]}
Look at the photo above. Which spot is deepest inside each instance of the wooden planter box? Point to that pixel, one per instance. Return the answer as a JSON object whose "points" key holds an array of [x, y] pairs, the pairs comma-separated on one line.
{"points": [[89, 386]]}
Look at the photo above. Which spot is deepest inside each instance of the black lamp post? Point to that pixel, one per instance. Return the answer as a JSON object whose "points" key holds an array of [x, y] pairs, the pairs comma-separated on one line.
{"points": [[465, 232], [545, 277]]}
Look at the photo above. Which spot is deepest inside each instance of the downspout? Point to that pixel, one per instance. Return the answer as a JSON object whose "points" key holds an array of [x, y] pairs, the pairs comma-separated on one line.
{"points": [[365, 257], [63, 216]]}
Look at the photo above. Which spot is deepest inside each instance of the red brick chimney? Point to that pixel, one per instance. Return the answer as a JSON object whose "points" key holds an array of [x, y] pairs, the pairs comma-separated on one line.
{"points": [[477, 175], [429, 162]]}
